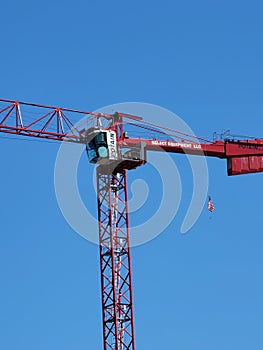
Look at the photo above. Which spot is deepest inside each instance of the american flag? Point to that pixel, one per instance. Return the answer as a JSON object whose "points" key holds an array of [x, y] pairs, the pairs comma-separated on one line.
{"points": [[210, 204]]}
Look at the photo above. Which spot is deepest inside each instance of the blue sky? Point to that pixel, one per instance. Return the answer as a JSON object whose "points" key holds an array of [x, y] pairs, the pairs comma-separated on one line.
{"points": [[203, 61]]}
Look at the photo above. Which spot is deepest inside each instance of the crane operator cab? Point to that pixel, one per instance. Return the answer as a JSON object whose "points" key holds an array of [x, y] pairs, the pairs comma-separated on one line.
{"points": [[102, 148]]}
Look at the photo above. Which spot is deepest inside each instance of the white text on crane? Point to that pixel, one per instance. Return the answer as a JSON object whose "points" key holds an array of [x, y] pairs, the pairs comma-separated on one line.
{"points": [[176, 144]]}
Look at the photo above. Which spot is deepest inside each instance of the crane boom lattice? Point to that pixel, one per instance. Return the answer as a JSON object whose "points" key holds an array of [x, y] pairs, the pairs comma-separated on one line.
{"points": [[111, 148]]}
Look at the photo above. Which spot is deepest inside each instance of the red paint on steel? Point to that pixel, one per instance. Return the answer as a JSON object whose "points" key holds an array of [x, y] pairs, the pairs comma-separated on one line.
{"points": [[244, 165], [54, 123], [115, 260]]}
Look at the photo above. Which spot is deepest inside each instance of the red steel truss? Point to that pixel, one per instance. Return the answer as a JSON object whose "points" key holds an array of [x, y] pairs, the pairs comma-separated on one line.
{"points": [[46, 122], [54, 123], [115, 260]]}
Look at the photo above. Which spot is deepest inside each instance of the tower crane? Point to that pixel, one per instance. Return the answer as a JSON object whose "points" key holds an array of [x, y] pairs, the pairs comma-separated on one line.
{"points": [[110, 146]]}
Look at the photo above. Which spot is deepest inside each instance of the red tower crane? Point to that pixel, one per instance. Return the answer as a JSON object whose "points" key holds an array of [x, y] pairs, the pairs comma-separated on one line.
{"points": [[109, 146]]}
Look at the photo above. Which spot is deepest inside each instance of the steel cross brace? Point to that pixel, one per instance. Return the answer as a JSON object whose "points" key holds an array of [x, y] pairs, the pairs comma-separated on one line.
{"points": [[115, 260]]}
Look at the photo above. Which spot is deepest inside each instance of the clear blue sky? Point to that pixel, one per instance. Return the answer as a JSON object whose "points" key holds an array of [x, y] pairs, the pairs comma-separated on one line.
{"points": [[201, 60]]}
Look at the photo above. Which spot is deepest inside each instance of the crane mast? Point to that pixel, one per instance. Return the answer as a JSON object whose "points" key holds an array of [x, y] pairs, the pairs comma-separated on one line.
{"points": [[115, 260], [114, 152]]}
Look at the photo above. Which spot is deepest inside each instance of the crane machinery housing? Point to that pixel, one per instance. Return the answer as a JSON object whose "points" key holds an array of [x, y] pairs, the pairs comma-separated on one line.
{"points": [[110, 147]]}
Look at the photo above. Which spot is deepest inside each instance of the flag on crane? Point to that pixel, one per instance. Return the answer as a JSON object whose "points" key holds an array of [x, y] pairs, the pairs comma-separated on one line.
{"points": [[211, 207]]}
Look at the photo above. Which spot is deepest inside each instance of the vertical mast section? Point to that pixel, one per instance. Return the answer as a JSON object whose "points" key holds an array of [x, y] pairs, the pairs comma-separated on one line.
{"points": [[115, 260]]}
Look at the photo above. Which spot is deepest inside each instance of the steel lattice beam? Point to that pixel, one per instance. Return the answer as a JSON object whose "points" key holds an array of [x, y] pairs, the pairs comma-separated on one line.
{"points": [[52, 123], [115, 261], [63, 124]]}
